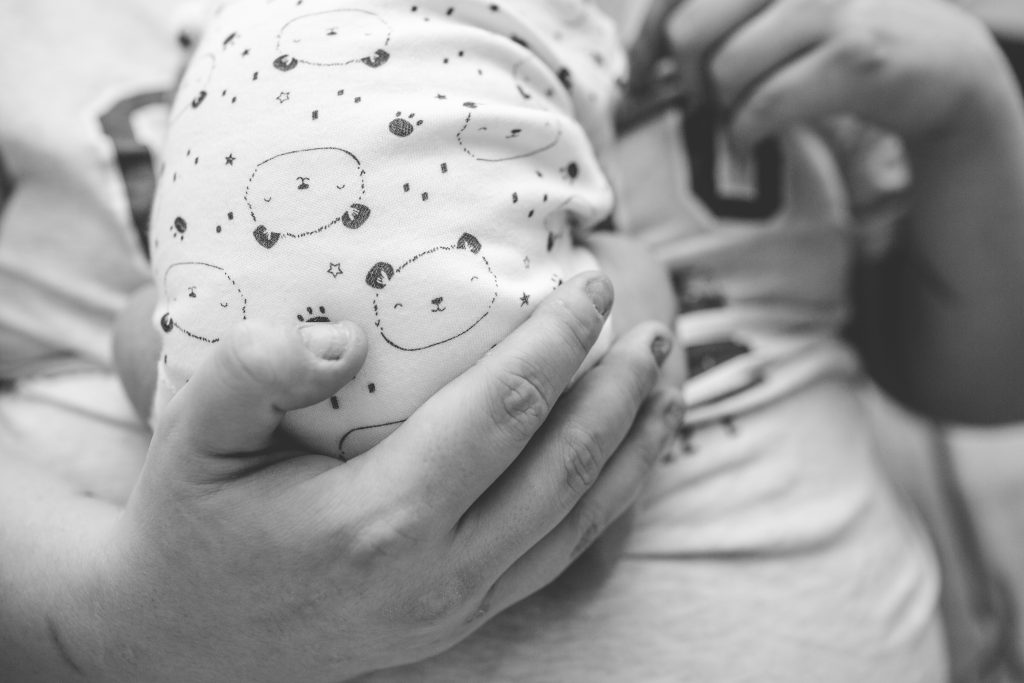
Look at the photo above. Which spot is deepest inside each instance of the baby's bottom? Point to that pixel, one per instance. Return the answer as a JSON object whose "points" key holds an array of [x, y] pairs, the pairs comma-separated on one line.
{"points": [[775, 552]]}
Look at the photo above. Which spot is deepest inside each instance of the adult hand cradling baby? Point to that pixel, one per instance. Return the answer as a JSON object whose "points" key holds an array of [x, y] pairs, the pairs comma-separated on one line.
{"points": [[274, 562]]}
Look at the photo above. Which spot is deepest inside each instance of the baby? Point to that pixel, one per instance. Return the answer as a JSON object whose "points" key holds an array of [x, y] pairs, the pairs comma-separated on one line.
{"points": [[424, 170]]}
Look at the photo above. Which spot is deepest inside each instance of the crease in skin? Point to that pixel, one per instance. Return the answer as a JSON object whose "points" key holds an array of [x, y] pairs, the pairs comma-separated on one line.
{"points": [[484, 607], [58, 642]]}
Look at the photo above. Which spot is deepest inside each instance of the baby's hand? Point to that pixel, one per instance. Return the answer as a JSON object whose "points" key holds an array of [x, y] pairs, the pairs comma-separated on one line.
{"points": [[916, 67]]}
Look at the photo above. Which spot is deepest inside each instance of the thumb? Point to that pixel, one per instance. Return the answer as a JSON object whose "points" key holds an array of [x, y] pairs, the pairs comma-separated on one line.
{"points": [[238, 395]]}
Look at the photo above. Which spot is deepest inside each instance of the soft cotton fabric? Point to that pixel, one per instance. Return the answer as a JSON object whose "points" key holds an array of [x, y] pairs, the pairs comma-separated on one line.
{"points": [[424, 170]]}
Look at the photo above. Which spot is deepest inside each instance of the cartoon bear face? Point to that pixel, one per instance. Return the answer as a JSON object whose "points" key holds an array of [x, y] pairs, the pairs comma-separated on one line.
{"points": [[202, 301], [489, 134], [334, 38], [434, 297], [303, 192], [531, 80]]}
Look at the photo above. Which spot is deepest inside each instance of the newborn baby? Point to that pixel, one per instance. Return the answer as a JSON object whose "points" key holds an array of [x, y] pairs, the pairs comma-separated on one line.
{"points": [[426, 171]]}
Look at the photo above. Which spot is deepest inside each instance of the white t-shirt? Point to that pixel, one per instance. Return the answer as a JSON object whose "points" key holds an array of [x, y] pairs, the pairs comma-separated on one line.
{"points": [[83, 105]]}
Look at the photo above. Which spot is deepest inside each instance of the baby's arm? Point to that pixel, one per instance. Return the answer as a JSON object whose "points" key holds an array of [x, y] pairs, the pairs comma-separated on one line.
{"points": [[424, 172]]}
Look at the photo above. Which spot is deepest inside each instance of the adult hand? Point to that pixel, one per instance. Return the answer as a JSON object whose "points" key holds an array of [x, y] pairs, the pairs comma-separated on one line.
{"points": [[931, 73], [235, 560], [769, 63]]}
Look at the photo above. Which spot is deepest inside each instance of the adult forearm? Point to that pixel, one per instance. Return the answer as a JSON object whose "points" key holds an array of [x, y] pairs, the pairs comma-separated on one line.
{"points": [[958, 301], [48, 533]]}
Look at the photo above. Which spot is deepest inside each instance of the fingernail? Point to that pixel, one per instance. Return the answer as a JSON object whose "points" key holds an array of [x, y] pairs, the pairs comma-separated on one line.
{"points": [[325, 340], [660, 347], [599, 289]]}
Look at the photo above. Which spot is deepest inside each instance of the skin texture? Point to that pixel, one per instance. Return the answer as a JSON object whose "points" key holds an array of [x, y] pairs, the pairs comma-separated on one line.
{"points": [[237, 558], [944, 322]]}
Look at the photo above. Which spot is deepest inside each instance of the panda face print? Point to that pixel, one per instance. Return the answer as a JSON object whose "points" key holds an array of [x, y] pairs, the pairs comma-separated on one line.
{"points": [[303, 192], [531, 82], [434, 297], [202, 301], [491, 136], [334, 38]]}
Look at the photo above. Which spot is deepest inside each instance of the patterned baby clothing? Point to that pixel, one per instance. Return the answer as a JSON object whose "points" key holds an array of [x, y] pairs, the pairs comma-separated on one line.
{"points": [[422, 169]]}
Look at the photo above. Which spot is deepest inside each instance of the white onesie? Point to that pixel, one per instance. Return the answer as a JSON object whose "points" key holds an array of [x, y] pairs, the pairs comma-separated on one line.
{"points": [[422, 169]]}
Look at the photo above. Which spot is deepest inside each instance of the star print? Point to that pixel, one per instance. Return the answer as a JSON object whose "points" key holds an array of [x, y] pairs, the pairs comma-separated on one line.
{"points": [[229, 160], [283, 97], [335, 270], [524, 299]]}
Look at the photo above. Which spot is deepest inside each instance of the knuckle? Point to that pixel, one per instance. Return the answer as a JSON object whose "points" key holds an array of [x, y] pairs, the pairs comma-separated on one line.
{"points": [[380, 541], [580, 330], [484, 606], [863, 49], [588, 526], [685, 37], [444, 601], [582, 460], [662, 424], [649, 430], [677, 31], [249, 358], [521, 402]]}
